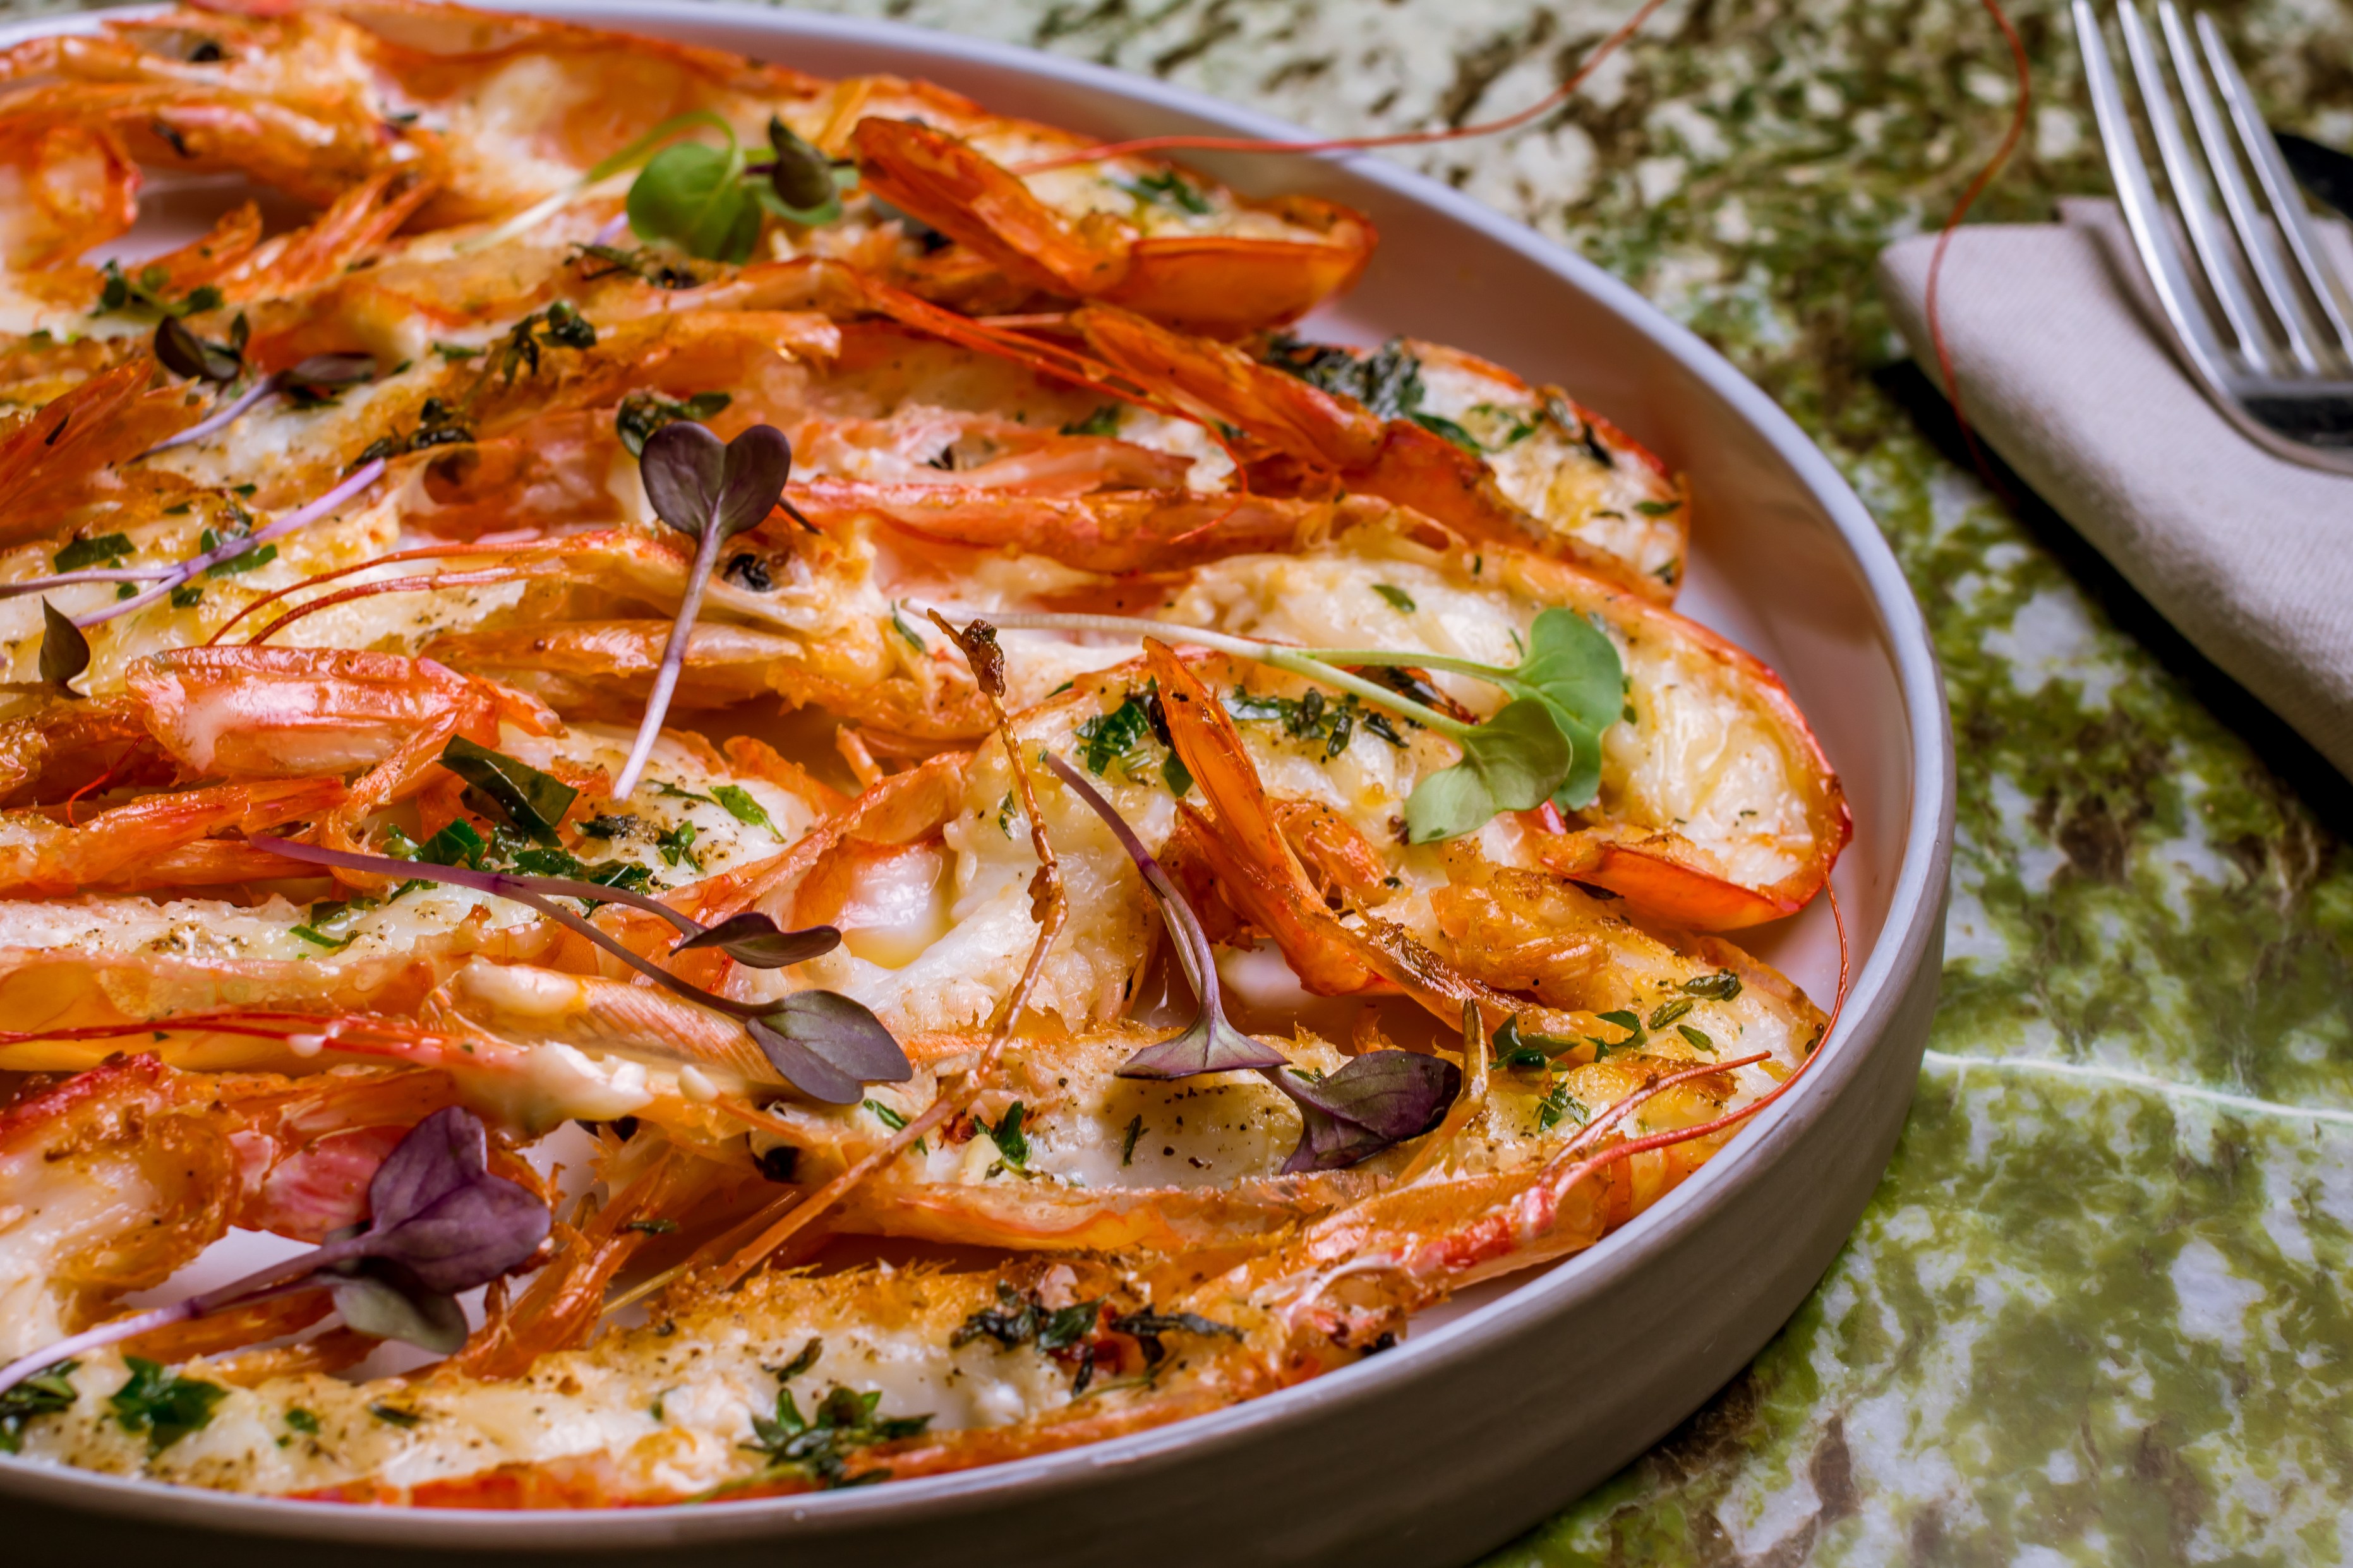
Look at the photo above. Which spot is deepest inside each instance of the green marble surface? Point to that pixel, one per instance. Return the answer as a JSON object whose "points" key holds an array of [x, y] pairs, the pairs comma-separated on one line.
{"points": [[2097, 1315], [2098, 1310]]}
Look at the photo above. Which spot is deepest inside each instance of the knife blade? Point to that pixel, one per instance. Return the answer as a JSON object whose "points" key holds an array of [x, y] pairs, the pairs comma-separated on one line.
{"points": [[2323, 171]]}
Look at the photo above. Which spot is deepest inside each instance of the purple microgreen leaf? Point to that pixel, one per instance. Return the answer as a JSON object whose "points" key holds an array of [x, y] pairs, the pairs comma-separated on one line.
{"points": [[376, 1303], [185, 353], [753, 939], [1209, 1044], [328, 372], [713, 492], [1375, 1102], [804, 1068], [529, 799], [684, 468], [65, 652], [440, 1222], [827, 1045], [439, 1213], [696, 484]]}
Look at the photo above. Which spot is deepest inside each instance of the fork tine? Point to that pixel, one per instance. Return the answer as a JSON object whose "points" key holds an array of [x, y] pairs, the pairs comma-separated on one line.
{"points": [[2160, 255], [2190, 195], [2256, 242], [2279, 186]]}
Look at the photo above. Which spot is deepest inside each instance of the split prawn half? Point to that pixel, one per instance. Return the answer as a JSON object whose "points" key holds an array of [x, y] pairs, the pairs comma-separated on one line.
{"points": [[501, 111], [343, 749], [913, 1371]]}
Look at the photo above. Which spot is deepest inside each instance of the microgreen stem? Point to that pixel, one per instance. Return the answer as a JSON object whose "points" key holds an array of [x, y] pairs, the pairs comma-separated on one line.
{"points": [[279, 1279], [219, 419], [697, 578], [95, 575], [537, 893], [1316, 664], [629, 157], [230, 549]]}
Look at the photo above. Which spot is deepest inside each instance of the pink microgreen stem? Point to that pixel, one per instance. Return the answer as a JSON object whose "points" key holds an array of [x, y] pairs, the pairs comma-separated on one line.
{"points": [[673, 662], [230, 549], [220, 418]]}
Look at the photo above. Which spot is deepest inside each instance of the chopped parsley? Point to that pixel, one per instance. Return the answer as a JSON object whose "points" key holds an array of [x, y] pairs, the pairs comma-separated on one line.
{"points": [[159, 1402], [677, 847], [1020, 1319], [1146, 1327], [845, 1422], [1398, 597], [1667, 1012], [143, 292], [1558, 1104], [739, 805], [1010, 1140], [45, 1392], [643, 413], [1168, 189], [1117, 738], [1103, 421], [1314, 717], [106, 549]]}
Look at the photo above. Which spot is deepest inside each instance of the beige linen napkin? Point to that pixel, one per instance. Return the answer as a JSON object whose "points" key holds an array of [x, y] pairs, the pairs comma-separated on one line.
{"points": [[2062, 372]]}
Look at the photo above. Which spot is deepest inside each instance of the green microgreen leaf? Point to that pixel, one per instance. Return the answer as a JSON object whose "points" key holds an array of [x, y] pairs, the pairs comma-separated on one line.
{"points": [[693, 195], [1513, 761]]}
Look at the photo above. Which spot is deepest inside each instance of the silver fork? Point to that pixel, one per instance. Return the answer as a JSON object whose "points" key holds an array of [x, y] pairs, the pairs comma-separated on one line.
{"points": [[2277, 358]]}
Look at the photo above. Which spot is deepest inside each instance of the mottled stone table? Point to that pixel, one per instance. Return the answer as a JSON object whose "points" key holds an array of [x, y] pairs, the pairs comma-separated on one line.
{"points": [[2098, 1311]]}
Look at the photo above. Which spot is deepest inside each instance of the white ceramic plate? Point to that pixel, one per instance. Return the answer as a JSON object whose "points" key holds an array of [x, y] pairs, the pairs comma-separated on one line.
{"points": [[1486, 1418]]}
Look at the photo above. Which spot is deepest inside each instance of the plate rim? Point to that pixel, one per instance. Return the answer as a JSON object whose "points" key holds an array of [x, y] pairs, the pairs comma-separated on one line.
{"points": [[1879, 982]]}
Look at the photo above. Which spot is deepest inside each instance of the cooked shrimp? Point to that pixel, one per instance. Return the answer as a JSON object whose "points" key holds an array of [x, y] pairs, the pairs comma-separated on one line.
{"points": [[1464, 442]]}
